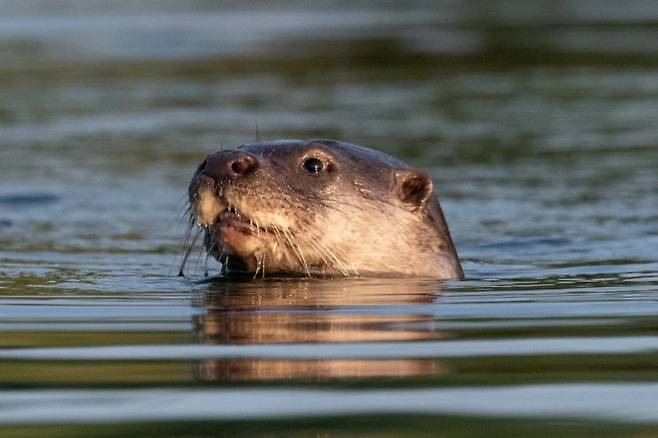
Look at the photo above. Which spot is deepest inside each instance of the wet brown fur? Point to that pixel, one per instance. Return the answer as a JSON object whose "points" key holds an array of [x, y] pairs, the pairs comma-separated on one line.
{"points": [[366, 213]]}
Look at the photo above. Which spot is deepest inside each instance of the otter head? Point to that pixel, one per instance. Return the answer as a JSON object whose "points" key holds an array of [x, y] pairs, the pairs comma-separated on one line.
{"points": [[320, 207]]}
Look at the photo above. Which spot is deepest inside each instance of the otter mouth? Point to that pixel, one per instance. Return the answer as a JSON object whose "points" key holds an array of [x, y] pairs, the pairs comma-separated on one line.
{"points": [[238, 239], [231, 218], [243, 232]]}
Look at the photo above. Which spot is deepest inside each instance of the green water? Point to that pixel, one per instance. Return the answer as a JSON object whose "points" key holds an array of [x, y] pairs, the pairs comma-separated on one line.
{"points": [[538, 121]]}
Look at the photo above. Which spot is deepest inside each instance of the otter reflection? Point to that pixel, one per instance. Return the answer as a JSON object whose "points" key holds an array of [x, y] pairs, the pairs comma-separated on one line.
{"points": [[315, 311]]}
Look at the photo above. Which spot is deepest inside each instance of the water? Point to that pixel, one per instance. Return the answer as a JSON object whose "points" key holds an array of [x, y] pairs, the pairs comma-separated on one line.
{"points": [[537, 120]]}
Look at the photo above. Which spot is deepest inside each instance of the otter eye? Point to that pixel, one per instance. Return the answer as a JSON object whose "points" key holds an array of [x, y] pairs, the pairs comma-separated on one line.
{"points": [[313, 165]]}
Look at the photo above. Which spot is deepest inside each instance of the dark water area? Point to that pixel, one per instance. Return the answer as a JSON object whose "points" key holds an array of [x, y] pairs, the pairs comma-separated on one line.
{"points": [[538, 121]]}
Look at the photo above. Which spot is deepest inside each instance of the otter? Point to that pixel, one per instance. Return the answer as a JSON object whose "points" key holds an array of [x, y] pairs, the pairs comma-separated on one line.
{"points": [[320, 208]]}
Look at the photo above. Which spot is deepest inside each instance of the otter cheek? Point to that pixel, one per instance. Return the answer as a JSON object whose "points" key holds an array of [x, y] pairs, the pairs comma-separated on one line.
{"points": [[273, 220], [208, 206]]}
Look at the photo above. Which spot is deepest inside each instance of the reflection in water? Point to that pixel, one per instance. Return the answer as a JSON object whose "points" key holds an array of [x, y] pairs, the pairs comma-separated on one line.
{"points": [[315, 311], [270, 369]]}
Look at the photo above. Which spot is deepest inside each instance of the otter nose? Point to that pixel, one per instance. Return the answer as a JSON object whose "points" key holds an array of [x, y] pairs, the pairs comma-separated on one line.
{"points": [[227, 165]]}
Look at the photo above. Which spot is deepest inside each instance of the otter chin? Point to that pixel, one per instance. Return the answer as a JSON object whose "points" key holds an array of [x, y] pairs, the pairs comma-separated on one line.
{"points": [[320, 208]]}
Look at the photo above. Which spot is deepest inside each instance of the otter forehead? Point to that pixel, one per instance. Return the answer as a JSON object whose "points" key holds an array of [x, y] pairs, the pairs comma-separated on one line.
{"points": [[345, 153]]}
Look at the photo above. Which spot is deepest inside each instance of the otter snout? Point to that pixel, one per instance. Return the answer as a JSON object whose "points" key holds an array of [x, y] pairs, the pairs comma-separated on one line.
{"points": [[228, 165]]}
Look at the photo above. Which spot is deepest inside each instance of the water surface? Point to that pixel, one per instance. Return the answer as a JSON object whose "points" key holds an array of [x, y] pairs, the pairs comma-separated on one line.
{"points": [[537, 121]]}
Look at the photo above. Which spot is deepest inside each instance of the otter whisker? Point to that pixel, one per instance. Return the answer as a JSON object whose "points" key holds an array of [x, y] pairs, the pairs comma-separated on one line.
{"points": [[321, 253], [294, 245], [287, 243], [188, 232], [184, 209], [188, 252], [186, 217], [277, 234], [205, 265], [199, 259], [263, 265], [222, 263], [258, 264], [225, 265], [338, 262], [341, 260], [346, 259], [185, 239]]}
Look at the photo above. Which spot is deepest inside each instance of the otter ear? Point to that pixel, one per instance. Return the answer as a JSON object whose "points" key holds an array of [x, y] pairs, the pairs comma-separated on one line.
{"points": [[414, 187]]}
